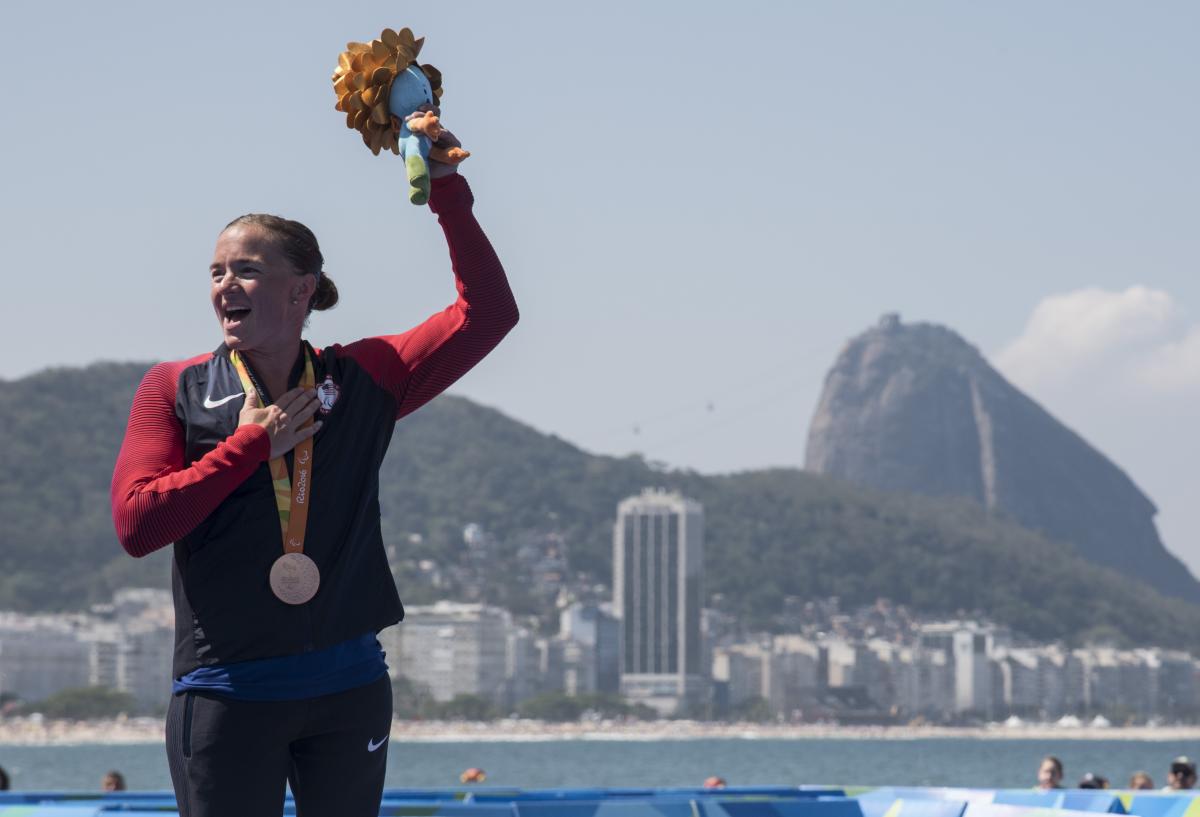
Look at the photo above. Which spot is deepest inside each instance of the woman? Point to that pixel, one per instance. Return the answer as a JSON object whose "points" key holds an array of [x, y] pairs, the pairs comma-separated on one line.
{"points": [[1050, 773], [1141, 781], [278, 674]]}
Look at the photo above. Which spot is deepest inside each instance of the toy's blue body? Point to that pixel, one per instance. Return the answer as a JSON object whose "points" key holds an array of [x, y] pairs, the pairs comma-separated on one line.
{"points": [[411, 91]]}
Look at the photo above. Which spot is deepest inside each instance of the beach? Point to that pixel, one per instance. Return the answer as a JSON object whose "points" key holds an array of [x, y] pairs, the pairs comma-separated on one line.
{"points": [[38, 731]]}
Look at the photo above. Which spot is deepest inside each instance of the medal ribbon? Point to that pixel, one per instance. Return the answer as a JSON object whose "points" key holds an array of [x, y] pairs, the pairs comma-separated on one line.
{"points": [[291, 498]]}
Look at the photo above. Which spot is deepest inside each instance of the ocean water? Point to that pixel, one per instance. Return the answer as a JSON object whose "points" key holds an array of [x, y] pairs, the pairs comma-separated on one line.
{"points": [[532, 764]]}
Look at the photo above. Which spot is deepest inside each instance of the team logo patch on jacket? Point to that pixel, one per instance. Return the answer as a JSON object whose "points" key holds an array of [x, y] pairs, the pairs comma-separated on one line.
{"points": [[328, 393]]}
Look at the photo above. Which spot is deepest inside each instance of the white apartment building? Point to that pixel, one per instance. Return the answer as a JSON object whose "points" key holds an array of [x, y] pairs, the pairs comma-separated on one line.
{"points": [[454, 649], [523, 669], [968, 646], [128, 649], [745, 669], [591, 638], [1017, 682], [41, 655], [793, 678], [144, 662], [924, 682]]}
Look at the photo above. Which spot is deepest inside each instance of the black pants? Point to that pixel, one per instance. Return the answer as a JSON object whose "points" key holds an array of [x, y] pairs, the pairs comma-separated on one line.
{"points": [[233, 757]]}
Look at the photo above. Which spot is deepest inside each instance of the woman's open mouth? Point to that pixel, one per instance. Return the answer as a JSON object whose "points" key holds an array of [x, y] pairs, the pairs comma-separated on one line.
{"points": [[234, 316]]}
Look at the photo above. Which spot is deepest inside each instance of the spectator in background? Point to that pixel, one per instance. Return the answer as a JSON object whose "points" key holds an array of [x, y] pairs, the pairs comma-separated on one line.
{"points": [[1093, 781], [1050, 773], [5, 783], [714, 782], [1182, 775], [1141, 781], [113, 781], [473, 775]]}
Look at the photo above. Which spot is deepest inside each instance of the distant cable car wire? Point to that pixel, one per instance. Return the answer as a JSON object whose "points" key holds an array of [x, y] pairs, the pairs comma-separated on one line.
{"points": [[638, 425], [727, 419]]}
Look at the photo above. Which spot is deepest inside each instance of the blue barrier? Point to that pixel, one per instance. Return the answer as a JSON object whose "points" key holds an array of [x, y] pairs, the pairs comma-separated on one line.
{"points": [[928, 793], [736, 801], [980, 809], [778, 792], [146, 799], [1071, 799], [724, 807], [620, 807], [49, 811], [1157, 806], [445, 808], [538, 795], [1162, 804], [740, 801], [911, 807], [1079, 800]]}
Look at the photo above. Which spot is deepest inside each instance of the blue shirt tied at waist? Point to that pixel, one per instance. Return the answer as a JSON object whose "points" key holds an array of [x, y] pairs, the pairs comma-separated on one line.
{"points": [[343, 666]]}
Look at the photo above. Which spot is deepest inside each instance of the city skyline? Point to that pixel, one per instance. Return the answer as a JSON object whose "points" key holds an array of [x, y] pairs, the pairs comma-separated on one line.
{"points": [[655, 639], [875, 663]]}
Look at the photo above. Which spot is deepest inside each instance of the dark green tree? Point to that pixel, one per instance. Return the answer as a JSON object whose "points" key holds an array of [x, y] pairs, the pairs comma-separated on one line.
{"points": [[85, 702], [466, 708], [551, 706], [412, 700], [755, 710]]}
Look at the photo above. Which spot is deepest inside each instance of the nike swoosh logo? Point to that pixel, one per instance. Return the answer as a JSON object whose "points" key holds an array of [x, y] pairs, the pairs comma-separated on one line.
{"points": [[210, 403], [372, 745]]}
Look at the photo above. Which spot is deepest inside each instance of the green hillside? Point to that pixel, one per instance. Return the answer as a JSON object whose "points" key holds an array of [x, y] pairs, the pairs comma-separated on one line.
{"points": [[770, 534]]}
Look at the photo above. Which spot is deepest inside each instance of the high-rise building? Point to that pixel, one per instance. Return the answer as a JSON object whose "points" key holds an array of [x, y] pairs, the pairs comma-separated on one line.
{"points": [[658, 581]]}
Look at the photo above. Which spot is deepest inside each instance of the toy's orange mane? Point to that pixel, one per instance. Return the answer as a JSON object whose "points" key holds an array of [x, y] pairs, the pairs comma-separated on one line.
{"points": [[363, 80]]}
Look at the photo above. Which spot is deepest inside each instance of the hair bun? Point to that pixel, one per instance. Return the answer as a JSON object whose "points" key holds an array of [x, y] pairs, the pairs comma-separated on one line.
{"points": [[326, 296]]}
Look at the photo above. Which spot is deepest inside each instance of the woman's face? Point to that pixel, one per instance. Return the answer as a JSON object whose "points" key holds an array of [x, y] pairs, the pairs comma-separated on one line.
{"points": [[259, 299], [1048, 775]]}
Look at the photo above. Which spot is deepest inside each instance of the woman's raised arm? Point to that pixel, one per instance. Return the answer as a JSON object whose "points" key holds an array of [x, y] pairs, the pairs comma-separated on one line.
{"points": [[421, 363]]}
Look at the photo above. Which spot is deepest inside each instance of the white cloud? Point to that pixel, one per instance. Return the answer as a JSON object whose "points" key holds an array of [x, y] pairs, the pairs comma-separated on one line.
{"points": [[1137, 337], [1176, 365], [1122, 368]]}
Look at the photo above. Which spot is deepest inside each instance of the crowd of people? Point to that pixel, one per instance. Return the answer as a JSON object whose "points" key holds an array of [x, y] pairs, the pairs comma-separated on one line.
{"points": [[1181, 776]]}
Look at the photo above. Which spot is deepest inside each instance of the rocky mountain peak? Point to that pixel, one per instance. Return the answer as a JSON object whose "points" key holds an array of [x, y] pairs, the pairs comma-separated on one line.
{"points": [[916, 408]]}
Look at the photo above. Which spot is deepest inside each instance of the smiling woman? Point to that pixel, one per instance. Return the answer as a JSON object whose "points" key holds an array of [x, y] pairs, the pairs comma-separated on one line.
{"points": [[283, 236], [267, 274], [260, 462]]}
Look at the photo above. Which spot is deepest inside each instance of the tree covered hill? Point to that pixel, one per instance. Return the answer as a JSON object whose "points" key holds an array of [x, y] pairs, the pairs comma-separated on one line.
{"points": [[770, 534]]}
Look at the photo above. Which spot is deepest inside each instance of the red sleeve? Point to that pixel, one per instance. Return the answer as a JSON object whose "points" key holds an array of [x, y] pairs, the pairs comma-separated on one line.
{"points": [[155, 499], [421, 363]]}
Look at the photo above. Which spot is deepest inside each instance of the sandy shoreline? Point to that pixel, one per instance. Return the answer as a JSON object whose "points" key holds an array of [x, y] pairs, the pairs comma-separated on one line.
{"points": [[45, 732]]}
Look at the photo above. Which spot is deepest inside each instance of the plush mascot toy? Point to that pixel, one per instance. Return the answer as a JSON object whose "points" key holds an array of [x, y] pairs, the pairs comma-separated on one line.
{"points": [[393, 102]]}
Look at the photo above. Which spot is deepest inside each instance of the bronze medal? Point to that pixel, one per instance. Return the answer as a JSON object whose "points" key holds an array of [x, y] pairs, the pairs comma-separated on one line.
{"points": [[295, 578]]}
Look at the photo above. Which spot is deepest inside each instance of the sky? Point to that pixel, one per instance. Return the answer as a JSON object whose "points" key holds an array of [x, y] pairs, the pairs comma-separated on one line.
{"points": [[696, 208]]}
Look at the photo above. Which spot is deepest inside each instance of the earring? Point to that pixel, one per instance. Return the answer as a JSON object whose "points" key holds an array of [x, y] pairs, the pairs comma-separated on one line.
{"points": [[295, 301]]}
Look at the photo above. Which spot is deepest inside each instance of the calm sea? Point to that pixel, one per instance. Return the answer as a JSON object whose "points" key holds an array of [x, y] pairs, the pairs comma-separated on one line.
{"points": [[926, 762]]}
